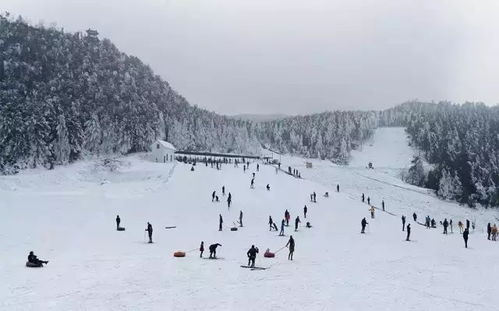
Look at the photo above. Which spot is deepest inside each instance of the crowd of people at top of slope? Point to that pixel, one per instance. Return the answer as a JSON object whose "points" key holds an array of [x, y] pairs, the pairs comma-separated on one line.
{"points": [[492, 230]]}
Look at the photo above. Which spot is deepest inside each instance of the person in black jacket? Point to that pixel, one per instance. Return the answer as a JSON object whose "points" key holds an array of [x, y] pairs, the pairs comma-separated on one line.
{"points": [[465, 237], [297, 221], [149, 232], [415, 217], [213, 250], [252, 256], [201, 249], [34, 260], [408, 232], [489, 231], [468, 224], [363, 223], [445, 224], [291, 246], [305, 211], [220, 222], [403, 222], [118, 220]]}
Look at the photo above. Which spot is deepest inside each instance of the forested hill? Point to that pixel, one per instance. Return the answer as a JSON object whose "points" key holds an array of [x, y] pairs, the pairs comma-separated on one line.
{"points": [[63, 96], [462, 143]]}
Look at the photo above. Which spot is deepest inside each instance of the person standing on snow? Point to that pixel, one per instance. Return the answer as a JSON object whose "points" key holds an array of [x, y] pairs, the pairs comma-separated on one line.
{"points": [[291, 246], [282, 228], [305, 211], [213, 250], [213, 196], [201, 249], [223, 190], [372, 212], [460, 225], [408, 232], [257, 167], [287, 217], [363, 197], [383, 205], [445, 224], [415, 217], [271, 222], [337, 187], [229, 200], [403, 222], [252, 185], [494, 232], [220, 222], [368, 201], [118, 220], [465, 237], [252, 256], [297, 221], [240, 218], [149, 231], [450, 224], [363, 223], [489, 231], [468, 224]]}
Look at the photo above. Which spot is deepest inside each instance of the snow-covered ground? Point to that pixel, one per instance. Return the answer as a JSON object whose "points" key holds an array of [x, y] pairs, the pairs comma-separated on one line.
{"points": [[67, 216]]}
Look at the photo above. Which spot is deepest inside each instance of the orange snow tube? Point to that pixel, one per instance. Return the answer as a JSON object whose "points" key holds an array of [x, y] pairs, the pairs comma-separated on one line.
{"points": [[269, 255], [179, 254]]}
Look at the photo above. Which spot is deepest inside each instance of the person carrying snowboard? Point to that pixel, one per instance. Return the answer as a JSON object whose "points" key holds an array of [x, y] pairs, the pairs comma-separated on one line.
{"points": [[149, 231], [305, 212], [465, 237], [408, 232], [213, 250], [363, 224], [297, 221], [35, 261], [252, 256], [201, 249], [240, 218], [291, 247], [403, 222], [118, 220], [445, 224], [220, 222]]}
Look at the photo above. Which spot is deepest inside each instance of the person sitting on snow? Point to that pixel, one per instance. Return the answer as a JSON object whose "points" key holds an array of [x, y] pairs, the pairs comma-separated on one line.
{"points": [[34, 260]]}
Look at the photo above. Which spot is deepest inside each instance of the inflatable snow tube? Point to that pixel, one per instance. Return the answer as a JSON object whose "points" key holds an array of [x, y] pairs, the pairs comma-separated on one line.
{"points": [[121, 229], [179, 254], [33, 265], [233, 229], [269, 255]]}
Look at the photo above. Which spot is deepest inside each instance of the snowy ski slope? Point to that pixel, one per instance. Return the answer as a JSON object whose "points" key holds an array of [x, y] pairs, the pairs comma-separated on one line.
{"points": [[67, 216]]}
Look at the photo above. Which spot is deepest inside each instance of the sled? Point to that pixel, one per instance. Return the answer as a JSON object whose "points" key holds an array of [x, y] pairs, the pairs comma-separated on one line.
{"points": [[179, 254], [269, 255], [34, 265], [171, 227], [233, 229], [121, 229], [254, 268]]}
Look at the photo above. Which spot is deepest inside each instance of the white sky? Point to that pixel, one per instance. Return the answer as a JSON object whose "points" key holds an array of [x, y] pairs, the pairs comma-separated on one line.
{"points": [[298, 56]]}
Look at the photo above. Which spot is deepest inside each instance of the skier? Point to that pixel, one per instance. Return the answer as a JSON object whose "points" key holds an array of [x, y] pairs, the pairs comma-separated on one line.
{"points": [[149, 231], [271, 222], [240, 218], [282, 228], [268, 187], [383, 205], [415, 217], [403, 222], [229, 200], [305, 211], [213, 196], [445, 224], [252, 256], [118, 220], [291, 246], [35, 261], [213, 250], [489, 231], [220, 222], [337, 187], [363, 223], [368, 200], [223, 190], [408, 232], [363, 197], [297, 221], [287, 216], [201, 249], [465, 237]]}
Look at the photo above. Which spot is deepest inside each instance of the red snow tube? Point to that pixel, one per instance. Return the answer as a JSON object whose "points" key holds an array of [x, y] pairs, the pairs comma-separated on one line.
{"points": [[269, 255], [179, 254]]}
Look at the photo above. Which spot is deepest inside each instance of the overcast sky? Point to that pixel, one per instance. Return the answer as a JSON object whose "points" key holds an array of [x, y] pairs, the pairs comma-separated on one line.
{"points": [[298, 56]]}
